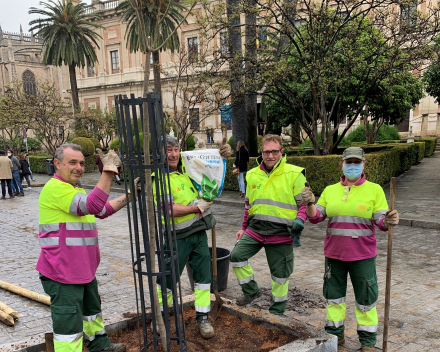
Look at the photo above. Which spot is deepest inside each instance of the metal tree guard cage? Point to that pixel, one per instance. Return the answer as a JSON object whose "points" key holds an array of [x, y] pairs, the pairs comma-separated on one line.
{"points": [[130, 118]]}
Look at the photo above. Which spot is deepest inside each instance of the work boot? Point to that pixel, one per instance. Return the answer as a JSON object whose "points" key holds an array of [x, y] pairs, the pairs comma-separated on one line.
{"points": [[244, 300], [21, 194], [10, 197], [3, 197], [206, 329], [366, 348], [15, 194], [341, 339], [114, 347]]}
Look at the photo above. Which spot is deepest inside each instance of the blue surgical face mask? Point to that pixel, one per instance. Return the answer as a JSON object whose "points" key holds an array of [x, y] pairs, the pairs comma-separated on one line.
{"points": [[353, 171]]}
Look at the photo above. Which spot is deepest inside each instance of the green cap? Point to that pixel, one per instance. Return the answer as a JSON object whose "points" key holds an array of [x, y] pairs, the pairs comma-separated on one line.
{"points": [[353, 152]]}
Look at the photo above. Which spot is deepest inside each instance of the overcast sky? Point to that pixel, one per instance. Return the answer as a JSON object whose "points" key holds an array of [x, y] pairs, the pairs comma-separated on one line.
{"points": [[14, 12]]}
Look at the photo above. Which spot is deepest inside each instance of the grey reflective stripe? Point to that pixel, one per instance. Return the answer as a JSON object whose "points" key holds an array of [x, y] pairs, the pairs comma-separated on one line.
{"points": [[335, 324], [67, 338], [202, 309], [49, 241], [379, 214], [81, 226], [336, 301], [279, 299], [349, 232], [188, 223], [239, 264], [48, 227], [278, 280], [370, 328], [81, 200], [88, 241], [365, 308], [321, 210], [245, 281], [274, 203], [272, 219], [102, 212], [91, 317], [202, 286], [298, 198], [350, 219]]}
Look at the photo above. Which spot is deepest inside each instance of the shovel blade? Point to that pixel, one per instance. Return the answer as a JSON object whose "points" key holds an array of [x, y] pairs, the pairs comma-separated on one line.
{"points": [[217, 307]]}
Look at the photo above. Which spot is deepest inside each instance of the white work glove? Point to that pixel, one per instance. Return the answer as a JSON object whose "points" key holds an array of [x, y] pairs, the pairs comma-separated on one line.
{"points": [[137, 187], [225, 151], [203, 205], [391, 218], [307, 195], [110, 161]]}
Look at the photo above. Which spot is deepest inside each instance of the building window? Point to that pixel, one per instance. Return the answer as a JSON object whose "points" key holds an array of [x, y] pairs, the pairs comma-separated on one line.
{"points": [[29, 84], [115, 61], [91, 70], [408, 13], [194, 118], [224, 44], [262, 37], [193, 49]]}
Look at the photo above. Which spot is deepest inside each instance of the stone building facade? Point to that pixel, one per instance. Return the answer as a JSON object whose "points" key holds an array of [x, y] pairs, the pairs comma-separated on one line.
{"points": [[21, 59]]}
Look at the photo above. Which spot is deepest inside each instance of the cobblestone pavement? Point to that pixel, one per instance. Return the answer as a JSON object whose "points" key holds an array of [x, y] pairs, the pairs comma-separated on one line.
{"points": [[415, 311]]}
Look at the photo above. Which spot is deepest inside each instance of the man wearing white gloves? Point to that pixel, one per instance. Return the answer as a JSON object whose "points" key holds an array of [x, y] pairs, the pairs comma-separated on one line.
{"points": [[192, 217]]}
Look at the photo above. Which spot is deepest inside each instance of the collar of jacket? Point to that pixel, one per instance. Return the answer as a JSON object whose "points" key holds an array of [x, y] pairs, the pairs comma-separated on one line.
{"points": [[280, 162]]}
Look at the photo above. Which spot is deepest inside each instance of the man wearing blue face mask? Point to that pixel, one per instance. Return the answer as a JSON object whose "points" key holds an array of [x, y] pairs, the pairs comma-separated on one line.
{"points": [[355, 208]]}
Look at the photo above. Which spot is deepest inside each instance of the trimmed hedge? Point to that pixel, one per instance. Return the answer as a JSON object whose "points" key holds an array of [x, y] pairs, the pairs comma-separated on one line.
{"points": [[86, 144], [321, 171], [430, 145], [96, 143], [38, 164]]}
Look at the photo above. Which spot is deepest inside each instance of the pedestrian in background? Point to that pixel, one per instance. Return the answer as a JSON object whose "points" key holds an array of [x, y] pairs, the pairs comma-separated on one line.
{"points": [[241, 161], [17, 188], [25, 171], [212, 135], [354, 207], [208, 135], [26, 155], [5, 174]]}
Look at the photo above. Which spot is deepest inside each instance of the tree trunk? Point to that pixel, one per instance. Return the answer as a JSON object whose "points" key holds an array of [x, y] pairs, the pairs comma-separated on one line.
{"points": [[156, 72], [250, 61], [238, 110], [74, 87]]}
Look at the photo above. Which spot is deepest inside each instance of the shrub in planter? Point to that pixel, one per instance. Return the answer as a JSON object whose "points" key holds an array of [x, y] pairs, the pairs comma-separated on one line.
{"points": [[430, 145], [190, 143], [87, 146], [114, 144]]}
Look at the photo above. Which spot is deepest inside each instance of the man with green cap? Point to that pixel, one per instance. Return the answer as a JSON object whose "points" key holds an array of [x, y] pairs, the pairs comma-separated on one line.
{"points": [[355, 207]]}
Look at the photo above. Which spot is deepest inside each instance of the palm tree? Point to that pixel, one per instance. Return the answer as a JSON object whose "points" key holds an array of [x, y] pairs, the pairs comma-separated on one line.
{"points": [[68, 35], [160, 26]]}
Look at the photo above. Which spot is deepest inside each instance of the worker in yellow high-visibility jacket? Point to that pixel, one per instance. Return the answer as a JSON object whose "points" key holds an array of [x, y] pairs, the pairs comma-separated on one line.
{"points": [[355, 207]]}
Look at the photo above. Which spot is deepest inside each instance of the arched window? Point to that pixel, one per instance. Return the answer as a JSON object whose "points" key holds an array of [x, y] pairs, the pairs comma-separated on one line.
{"points": [[29, 84]]}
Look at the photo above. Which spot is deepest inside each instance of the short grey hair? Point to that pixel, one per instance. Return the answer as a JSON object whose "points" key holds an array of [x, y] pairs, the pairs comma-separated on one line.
{"points": [[59, 153], [172, 141]]}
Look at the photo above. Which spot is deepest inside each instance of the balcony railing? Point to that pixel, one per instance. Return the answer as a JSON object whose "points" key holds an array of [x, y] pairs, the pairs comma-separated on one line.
{"points": [[102, 6]]}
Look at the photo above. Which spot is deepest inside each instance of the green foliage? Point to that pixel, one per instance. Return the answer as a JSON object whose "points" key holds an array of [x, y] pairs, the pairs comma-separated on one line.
{"points": [[383, 162], [345, 142], [190, 143], [96, 143], [386, 133], [86, 144], [33, 144], [430, 145], [259, 140], [38, 164], [231, 142], [90, 163], [114, 144], [68, 33]]}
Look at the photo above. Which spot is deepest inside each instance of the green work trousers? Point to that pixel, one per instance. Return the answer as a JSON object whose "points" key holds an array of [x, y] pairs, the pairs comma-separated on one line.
{"points": [[364, 280], [194, 250], [280, 260], [75, 308]]}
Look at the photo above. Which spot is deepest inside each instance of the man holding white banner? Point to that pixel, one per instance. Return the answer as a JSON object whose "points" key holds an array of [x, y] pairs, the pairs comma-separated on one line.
{"points": [[192, 217]]}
